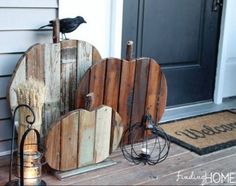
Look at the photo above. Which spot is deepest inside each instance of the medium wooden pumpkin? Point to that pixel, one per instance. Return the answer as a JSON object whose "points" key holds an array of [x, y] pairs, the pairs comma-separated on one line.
{"points": [[132, 88]]}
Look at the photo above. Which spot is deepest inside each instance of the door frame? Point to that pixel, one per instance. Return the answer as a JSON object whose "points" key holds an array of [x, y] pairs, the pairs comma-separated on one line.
{"points": [[116, 40]]}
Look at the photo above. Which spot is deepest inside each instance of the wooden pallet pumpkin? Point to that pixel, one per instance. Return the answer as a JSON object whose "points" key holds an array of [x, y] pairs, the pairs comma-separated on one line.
{"points": [[82, 138], [132, 88], [60, 67]]}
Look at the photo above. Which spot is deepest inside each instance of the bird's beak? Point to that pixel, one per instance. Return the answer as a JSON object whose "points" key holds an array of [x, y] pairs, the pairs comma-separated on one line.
{"points": [[85, 21]]}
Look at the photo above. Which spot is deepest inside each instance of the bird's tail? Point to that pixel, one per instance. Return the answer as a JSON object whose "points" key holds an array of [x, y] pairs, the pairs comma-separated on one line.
{"points": [[48, 25]]}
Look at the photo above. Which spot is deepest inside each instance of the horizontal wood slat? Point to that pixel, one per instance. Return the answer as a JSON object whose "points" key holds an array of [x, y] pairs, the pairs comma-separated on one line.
{"points": [[4, 109], [8, 63], [5, 132], [15, 41], [29, 3], [29, 18], [4, 82]]}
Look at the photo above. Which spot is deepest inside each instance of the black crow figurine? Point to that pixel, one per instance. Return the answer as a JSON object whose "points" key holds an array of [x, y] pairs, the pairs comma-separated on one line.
{"points": [[67, 25]]}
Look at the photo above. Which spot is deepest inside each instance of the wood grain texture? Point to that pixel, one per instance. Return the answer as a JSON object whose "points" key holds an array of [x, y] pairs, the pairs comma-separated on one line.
{"points": [[53, 148], [69, 140], [112, 84], [133, 88], [97, 82], [102, 133], [87, 121], [56, 66], [52, 82], [83, 138]]}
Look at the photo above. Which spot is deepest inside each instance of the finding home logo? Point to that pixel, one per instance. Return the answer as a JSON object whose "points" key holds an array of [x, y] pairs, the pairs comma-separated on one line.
{"points": [[218, 178]]}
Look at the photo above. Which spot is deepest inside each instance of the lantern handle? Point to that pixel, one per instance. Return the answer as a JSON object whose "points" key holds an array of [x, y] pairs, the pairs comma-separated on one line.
{"points": [[13, 133]]}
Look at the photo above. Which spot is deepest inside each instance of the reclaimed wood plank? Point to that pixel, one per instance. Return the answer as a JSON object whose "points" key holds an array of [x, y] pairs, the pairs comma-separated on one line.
{"points": [[84, 58], [68, 75], [117, 129], [140, 91], [126, 93], [86, 138], [52, 70], [35, 63], [82, 91], [102, 133], [69, 141], [112, 84], [97, 81], [52, 144], [96, 57], [153, 87]]}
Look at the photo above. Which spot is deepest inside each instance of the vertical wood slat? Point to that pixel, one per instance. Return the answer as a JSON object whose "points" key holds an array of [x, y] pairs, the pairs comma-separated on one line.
{"points": [[117, 129], [153, 87], [126, 92], [86, 138], [69, 141], [84, 59], [52, 83], [68, 75], [91, 136], [102, 133], [140, 86], [35, 63], [96, 84], [53, 149], [112, 84]]}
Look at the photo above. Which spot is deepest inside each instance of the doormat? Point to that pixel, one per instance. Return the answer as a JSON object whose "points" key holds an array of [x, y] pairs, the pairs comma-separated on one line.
{"points": [[204, 134]]}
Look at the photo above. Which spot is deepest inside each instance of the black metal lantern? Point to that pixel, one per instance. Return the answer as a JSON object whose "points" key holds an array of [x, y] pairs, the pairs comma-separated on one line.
{"points": [[153, 147], [29, 163]]}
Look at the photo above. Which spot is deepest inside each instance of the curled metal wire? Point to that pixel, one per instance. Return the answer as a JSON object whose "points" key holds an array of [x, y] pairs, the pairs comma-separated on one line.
{"points": [[148, 143]]}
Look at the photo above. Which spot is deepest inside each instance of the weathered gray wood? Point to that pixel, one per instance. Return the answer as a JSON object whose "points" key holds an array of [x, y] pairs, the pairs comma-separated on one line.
{"points": [[52, 82], [56, 66], [84, 58]]}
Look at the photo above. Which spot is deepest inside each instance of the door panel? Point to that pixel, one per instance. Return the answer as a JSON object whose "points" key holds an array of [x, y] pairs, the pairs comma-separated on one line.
{"points": [[183, 37]]}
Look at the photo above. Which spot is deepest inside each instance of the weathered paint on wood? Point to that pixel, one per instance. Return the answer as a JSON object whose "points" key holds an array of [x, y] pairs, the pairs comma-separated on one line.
{"points": [[133, 88], [56, 65], [83, 138]]}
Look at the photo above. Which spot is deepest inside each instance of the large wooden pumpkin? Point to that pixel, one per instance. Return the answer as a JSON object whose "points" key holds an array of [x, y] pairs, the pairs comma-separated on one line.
{"points": [[132, 88], [82, 138], [60, 67]]}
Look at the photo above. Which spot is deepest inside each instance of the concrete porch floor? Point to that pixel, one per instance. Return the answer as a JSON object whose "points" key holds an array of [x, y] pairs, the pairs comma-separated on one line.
{"points": [[180, 161]]}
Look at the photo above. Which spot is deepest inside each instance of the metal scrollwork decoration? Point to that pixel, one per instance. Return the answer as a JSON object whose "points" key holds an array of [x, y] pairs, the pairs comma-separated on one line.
{"points": [[30, 163], [153, 147]]}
